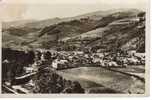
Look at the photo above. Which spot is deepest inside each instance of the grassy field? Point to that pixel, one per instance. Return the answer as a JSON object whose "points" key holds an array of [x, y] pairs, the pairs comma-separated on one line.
{"points": [[99, 79]]}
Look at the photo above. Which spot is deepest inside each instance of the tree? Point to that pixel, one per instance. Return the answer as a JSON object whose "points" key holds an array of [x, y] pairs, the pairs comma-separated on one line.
{"points": [[48, 81]]}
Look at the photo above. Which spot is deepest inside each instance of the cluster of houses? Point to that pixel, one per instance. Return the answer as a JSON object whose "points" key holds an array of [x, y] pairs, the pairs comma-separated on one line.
{"points": [[65, 60]]}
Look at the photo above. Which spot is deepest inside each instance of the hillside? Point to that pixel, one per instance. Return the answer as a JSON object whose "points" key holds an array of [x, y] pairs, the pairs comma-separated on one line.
{"points": [[99, 30], [17, 23]]}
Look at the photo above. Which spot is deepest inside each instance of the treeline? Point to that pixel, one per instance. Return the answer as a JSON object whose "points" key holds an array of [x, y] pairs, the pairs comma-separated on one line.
{"points": [[20, 31]]}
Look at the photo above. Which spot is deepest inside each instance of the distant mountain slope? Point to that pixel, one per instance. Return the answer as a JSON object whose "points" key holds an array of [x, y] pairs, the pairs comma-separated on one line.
{"points": [[18, 23], [43, 23], [97, 30]]}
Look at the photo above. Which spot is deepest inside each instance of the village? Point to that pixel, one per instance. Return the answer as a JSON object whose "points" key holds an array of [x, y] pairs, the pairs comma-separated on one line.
{"points": [[74, 59], [56, 61]]}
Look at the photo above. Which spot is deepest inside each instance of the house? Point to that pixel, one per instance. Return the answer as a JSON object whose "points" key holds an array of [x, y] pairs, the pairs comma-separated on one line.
{"points": [[131, 52]]}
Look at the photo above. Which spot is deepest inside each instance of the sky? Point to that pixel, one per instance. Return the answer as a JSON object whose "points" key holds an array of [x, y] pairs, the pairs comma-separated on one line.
{"points": [[44, 9]]}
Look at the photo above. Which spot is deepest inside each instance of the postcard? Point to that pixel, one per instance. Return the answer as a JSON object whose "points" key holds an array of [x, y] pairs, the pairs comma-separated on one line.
{"points": [[74, 48]]}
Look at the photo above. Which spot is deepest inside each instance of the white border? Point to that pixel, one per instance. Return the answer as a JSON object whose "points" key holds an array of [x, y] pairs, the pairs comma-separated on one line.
{"points": [[98, 95]]}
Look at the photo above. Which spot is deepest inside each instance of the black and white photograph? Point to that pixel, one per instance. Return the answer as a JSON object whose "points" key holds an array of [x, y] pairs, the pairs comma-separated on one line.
{"points": [[74, 48]]}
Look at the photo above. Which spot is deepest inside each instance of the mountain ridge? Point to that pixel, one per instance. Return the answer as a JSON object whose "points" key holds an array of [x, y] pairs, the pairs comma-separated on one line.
{"points": [[91, 29]]}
